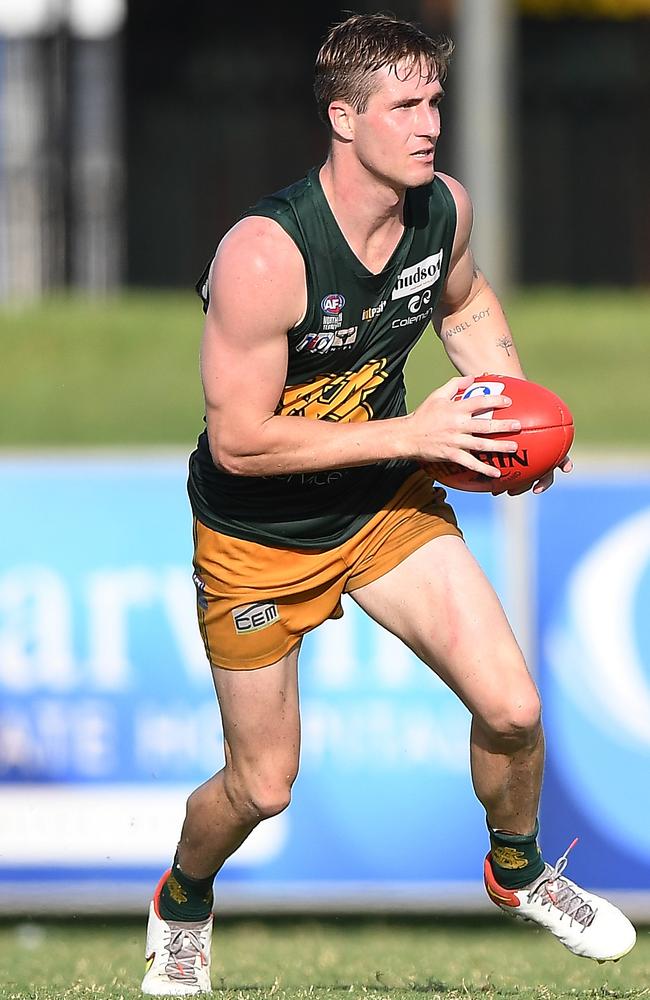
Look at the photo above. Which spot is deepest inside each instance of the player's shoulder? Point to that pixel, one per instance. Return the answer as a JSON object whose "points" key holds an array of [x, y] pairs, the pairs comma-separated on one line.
{"points": [[464, 210], [443, 191], [260, 246], [458, 192], [257, 271]]}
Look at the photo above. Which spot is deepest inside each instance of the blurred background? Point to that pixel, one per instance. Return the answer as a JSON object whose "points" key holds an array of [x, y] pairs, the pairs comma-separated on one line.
{"points": [[132, 135]]}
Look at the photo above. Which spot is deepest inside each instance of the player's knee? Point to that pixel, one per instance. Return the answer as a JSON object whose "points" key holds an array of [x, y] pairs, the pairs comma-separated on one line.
{"points": [[515, 724], [261, 794], [270, 800], [267, 797]]}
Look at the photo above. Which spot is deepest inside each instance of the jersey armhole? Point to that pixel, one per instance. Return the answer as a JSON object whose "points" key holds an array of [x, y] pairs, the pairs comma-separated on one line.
{"points": [[202, 287], [451, 224]]}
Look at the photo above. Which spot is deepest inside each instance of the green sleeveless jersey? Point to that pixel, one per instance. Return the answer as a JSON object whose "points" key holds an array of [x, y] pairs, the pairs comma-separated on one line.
{"points": [[346, 361]]}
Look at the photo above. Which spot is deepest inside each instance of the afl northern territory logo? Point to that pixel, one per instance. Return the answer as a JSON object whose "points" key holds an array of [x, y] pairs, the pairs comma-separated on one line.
{"points": [[332, 304]]}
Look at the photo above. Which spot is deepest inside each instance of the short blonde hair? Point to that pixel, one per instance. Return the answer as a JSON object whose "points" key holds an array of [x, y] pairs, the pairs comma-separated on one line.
{"points": [[354, 49]]}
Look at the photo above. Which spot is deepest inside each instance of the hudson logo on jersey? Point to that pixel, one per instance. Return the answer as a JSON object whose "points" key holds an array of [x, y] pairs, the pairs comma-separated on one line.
{"points": [[419, 276]]}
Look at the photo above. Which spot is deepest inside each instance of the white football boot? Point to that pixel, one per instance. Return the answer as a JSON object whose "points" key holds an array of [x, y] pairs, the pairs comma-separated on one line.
{"points": [[177, 954], [586, 924]]}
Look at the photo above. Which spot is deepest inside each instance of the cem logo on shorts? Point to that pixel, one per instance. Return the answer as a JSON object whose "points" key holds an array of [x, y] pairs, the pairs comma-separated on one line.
{"points": [[253, 617]]}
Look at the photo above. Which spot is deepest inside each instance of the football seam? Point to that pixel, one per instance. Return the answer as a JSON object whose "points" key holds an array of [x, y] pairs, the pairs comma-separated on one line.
{"points": [[529, 430]]}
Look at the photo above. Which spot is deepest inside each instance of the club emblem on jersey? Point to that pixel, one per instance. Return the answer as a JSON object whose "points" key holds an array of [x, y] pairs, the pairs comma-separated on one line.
{"points": [[335, 397], [332, 304]]}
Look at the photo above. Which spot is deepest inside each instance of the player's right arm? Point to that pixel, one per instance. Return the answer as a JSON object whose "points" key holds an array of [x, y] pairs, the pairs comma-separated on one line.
{"points": [[258, 293]]}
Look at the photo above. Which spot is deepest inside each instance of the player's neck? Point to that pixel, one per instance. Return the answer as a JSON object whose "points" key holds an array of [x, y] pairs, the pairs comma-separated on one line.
{"points": [[369, 212]]}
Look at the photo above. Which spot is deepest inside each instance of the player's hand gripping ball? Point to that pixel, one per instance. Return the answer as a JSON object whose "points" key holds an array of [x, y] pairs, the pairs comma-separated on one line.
{"points": [[545, 437]]}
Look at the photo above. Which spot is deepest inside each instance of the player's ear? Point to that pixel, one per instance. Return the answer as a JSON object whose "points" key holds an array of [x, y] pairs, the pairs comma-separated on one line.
{"points": [[341, 116]]}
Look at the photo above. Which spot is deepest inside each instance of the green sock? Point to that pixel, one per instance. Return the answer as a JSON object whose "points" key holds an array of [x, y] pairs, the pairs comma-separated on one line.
{"points": [[516, 858], [186, 898]]}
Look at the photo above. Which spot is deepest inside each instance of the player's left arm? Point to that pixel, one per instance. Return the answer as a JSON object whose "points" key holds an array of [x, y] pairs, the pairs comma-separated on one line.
{"points": [[470, 320]]}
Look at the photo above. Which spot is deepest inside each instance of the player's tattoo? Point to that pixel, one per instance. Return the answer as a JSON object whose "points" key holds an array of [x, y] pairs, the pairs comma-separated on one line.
{"points": [[453, 330], [475, 271], [506, 344]]}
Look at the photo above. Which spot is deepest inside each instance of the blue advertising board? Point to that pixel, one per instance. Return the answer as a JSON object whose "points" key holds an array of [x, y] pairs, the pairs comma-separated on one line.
{"points": [[594, 653], [108, 718]]}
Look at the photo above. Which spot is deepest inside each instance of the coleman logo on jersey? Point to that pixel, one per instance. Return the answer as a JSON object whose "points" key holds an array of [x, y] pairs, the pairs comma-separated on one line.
{"points": [[421, 275]]}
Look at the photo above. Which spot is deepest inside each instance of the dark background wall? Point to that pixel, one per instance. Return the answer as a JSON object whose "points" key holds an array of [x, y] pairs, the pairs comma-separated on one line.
{"points": [[219, 110], [584, 151]]}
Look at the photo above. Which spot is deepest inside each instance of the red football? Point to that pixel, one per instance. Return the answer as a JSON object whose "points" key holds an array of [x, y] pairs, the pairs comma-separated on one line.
{"points": [[544, 439]]}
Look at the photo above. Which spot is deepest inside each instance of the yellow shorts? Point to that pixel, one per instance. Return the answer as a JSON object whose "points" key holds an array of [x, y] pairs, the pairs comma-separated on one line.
{"points": [[255, 602]]}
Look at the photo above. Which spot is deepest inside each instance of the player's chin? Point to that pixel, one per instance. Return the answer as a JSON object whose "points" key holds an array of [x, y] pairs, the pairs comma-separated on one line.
{"points": [[421, 170]]}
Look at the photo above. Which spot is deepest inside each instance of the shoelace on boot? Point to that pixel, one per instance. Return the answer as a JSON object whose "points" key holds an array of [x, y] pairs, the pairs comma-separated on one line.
{"points": [[559, 892], [184, 947]]}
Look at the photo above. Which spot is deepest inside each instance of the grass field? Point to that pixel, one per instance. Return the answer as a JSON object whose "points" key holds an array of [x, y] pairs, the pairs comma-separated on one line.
{"points": [[125, 370], [385, 960]]}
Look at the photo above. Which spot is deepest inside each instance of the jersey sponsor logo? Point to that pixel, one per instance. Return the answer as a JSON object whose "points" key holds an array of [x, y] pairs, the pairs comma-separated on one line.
{"points": [[328, 340], [332, 304], [418, 302], [409, 320], [373, 311], [253, 617], [335, 397], [419, 276]]}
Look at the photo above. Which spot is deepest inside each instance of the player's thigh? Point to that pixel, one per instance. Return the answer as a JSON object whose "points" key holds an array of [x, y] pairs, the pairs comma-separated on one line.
{"points": [[261, 718], [440, 603]]}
